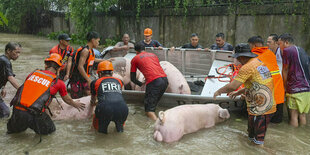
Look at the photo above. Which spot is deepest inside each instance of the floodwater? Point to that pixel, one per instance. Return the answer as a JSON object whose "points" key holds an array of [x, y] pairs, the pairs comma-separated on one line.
{"points": [[77, 137]]}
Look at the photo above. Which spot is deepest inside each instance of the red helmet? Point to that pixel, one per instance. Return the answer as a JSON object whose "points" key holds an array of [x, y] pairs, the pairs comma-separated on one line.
{"points": [[105, 66], [148, 32], [55, 58]]}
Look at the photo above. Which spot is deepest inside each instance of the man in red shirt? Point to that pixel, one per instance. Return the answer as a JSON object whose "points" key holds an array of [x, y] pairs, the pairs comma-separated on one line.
{"points": [[155, 78], [34, 96], [65, 50]]}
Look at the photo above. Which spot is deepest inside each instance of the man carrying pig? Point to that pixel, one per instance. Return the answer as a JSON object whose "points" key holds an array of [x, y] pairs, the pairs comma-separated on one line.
{"points": [[259, 92], [111, 104], [155, 78]]}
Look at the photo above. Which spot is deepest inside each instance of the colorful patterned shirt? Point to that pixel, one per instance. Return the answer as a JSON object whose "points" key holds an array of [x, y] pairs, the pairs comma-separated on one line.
{"points": [[259, 87]]}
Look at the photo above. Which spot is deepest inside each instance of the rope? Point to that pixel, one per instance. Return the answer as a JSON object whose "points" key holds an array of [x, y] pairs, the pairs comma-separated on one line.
{"points": [[223, 73]]}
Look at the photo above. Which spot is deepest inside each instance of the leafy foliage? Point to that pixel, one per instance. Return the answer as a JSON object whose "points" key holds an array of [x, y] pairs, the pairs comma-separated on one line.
{"points": [[3, 20], [23, 13], [110, 42], [27, 15], [75, 39]]}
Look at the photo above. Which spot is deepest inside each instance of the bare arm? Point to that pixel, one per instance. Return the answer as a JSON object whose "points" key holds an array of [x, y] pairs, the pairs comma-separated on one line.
{"points": [[93, 100], [236, 93], [98, 60], [228, 88], [81, 64], [78, 105], [118, 48], [284, 74], [69, 64], [13, 81]]}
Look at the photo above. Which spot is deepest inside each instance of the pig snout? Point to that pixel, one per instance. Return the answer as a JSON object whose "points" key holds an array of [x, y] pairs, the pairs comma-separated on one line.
{"points": [[161, 119], [158, 136]]}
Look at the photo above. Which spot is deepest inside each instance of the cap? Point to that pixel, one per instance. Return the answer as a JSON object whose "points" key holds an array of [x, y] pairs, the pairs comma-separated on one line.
{"points": [[148, 32], [64, 36], [243, 49]]}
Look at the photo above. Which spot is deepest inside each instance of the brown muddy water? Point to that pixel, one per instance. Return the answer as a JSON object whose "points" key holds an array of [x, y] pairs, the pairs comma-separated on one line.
{"points": [[77, 137]]}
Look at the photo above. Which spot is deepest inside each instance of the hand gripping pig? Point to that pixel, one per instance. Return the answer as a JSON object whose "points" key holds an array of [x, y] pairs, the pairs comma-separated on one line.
{"points": [[172, 124]]}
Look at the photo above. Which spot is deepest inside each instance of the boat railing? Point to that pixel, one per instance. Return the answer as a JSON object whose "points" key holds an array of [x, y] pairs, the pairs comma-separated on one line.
{"points": [[191, 62]]}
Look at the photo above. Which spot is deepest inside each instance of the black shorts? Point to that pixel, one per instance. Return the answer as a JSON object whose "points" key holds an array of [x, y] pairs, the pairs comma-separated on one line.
{"points": [[154, 91], [21, 120], [105, 113], [257, 127], [278, 115]]}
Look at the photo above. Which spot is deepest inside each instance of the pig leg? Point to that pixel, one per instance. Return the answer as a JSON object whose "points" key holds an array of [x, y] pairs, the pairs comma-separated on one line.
{"points": [[210, 123]]}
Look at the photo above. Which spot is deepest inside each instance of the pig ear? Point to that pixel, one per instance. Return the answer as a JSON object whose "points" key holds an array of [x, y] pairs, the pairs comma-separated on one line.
{"points": [[223, 113]]}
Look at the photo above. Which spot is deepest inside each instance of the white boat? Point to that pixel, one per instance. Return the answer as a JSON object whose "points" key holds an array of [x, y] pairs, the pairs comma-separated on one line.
{"points": [[194, 65]]}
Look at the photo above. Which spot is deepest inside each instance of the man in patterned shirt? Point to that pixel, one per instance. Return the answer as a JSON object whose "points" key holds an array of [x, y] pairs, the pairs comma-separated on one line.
{"points": [[259, 92]]}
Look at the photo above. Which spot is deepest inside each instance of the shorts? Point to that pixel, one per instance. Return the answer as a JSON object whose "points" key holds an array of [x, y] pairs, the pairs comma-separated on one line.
{"points": [[154, 91], [21, 120], [257, 127], [278, 115], [299, 101], [78, 88], [104, 114], [4, 109]]}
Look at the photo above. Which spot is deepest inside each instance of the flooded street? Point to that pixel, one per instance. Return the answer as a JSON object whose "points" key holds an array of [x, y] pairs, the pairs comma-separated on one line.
{"points": [[77, 137]]}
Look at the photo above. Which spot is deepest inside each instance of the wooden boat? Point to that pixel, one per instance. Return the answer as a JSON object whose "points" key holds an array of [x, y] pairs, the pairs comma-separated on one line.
{"points": [[195, 65]]}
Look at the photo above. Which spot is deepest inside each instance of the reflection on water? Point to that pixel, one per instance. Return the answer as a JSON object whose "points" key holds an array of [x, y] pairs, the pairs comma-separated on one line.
{"points": [[72, 137]]}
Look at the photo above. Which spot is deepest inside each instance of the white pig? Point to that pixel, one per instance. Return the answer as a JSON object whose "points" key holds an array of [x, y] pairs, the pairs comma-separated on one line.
{"points": [[172, 124], [121, 67], [69, 112], [121, 71], [177, 82]]}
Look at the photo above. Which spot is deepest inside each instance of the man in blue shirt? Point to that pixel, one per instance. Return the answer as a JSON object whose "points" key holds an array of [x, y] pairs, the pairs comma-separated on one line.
{"points": [[221, 44], [194, 43]]}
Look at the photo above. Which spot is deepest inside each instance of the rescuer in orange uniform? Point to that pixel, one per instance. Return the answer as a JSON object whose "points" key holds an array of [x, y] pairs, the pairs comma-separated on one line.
{"points": [[65, 50], [34, 96], [111, 104], [82, 66]]}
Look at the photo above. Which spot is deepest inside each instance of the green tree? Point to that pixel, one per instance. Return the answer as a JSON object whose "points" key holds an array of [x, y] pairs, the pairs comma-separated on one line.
{"points": [[3, 20]]}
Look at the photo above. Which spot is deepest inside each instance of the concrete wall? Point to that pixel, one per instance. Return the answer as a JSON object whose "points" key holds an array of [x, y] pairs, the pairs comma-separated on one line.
{"points": [[176, 30]]}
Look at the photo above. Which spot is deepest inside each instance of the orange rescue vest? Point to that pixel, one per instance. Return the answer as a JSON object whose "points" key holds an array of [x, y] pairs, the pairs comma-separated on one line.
{"points": [[64, 54], [34, 94], [88, 64], [270, 60]]}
